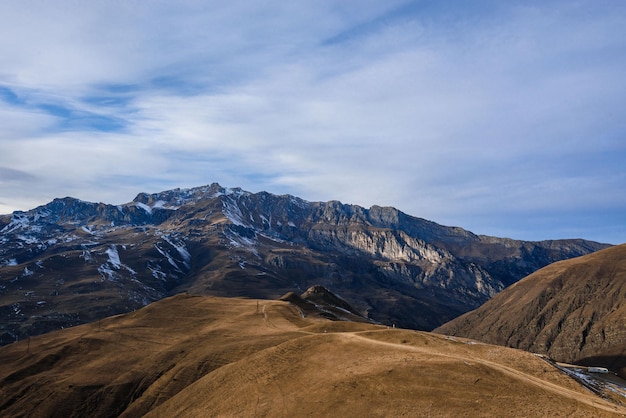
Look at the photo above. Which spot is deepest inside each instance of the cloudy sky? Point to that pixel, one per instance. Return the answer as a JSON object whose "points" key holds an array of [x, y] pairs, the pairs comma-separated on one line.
{"points": [[505, 118]]}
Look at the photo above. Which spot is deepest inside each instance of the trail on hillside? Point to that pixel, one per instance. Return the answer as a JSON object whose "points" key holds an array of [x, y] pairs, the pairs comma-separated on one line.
{"points": [[588, 399]]}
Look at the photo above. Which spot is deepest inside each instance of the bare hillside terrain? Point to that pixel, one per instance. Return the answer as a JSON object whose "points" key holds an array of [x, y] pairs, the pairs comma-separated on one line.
{"points": [[573, 311], [193, 356]]}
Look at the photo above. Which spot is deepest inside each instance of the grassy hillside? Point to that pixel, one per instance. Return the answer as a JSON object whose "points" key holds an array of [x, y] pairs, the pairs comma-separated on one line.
{"points": [[200, 357], [573, 311]]}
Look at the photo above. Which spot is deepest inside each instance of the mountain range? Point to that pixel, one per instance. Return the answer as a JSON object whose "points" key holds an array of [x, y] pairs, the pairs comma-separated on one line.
{"points": [[71, 262]]}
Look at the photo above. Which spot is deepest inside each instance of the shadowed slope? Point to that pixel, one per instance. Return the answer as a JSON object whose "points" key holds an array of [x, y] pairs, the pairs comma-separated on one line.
{"points": [[571, 310], [200, 356]]}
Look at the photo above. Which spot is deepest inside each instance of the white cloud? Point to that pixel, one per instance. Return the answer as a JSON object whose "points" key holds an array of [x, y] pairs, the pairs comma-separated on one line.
{"points": [[448, 114]]}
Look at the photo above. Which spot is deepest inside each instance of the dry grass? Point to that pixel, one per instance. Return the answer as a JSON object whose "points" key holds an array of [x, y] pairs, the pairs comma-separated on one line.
{"points": [[573, 311], [201, 357]]}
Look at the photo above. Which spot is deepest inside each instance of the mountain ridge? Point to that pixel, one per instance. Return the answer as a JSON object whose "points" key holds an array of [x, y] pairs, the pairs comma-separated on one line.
{"points": [[63, 257]]}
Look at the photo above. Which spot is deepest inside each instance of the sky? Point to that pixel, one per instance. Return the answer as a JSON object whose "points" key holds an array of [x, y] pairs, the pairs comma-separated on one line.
{"points": [[504, 118]]}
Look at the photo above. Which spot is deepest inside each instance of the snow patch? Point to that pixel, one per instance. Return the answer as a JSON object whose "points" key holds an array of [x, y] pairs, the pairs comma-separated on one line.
{"points": [[299, 202], [237, 241], [114, 262], [275, 238], [114, 257], [237, 192], [159, 204], [66, 238], [107, 274], [18, 221], [157, 273], [88, 229], [86, 254], [180, 247], [42, 214], [168, 256], [232, 212], [28, 239], [145, 207], [16, 309]]}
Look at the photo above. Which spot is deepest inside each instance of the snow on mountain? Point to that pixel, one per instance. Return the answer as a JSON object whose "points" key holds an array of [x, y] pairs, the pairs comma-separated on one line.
{"points": [[19, 220], [114, 257], [169, 258], [143, 206], [180, 247]]}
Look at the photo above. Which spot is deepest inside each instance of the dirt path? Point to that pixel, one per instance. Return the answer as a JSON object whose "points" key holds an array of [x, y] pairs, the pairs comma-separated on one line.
{"points": [[266, 318], [591, 400], [588, 399]]}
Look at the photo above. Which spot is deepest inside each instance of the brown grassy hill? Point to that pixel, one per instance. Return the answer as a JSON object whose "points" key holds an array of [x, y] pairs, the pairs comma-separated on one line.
{"points": [[573, 311], [200, 357]]}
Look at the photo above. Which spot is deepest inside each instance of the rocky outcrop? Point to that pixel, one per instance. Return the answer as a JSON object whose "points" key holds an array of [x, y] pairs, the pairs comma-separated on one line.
{"points": [[319, 301]]}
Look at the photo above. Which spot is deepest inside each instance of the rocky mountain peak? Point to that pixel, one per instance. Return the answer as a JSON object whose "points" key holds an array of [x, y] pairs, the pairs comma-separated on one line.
{"points": [[179, 197], [384, 216]]}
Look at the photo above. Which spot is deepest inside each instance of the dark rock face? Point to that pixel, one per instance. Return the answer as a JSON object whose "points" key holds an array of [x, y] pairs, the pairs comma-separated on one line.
{"points": [[573, 311], [71, 262]]}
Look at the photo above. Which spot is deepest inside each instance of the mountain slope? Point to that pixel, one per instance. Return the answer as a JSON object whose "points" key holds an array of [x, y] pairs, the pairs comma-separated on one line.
{"points": [[573, 311], [71, 262], [242, 357]]}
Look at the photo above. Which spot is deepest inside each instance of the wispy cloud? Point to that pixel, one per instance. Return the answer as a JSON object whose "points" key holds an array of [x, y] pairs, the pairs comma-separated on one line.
{"points": [[485, 116]]}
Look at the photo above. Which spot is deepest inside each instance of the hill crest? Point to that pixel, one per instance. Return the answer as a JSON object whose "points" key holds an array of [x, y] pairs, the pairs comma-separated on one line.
{"points": [[230, 356]]}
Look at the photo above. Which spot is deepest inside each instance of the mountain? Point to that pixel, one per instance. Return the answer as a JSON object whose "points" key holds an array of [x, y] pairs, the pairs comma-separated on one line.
{"points": [[573, 311], [70, 262], [195, 356]]}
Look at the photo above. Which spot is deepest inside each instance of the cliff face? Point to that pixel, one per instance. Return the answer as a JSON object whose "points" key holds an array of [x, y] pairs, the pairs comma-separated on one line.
{"points": [[71, 261], [573, 311]]}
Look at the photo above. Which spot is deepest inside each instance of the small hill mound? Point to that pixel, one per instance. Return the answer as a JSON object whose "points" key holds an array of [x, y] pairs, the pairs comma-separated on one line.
{"points": [[319, 301], [573, 311]]}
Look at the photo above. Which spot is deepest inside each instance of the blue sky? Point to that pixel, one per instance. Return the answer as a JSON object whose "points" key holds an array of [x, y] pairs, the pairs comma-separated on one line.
{"points": [[504, 118]]}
